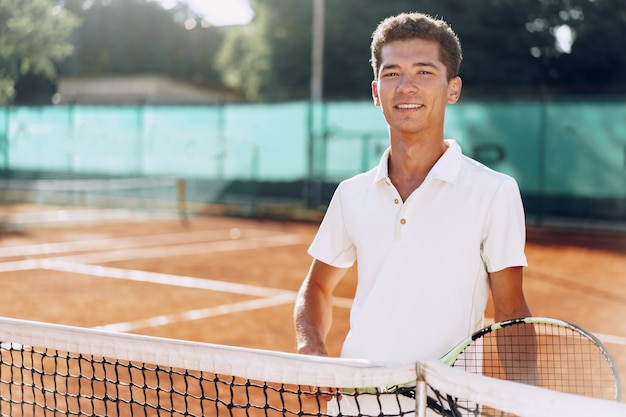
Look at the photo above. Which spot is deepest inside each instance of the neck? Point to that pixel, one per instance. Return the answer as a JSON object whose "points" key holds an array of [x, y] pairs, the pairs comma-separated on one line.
{"points": [[410, 163], [413, 157]]}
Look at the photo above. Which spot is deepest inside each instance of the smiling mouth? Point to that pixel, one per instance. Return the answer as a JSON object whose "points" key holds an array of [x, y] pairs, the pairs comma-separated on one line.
{"points": [[408, 106]]}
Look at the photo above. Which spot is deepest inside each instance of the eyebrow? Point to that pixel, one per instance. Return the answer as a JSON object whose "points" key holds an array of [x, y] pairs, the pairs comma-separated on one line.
{"points": [[425, 64], [415, 65]]}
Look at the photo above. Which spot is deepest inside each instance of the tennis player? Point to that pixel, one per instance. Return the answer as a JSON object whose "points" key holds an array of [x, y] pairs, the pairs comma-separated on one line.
{"points": [[432, 231]]}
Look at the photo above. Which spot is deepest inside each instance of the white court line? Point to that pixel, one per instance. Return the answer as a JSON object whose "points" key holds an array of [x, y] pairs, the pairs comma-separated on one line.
{"points": [[121, 243], [180, 281], [156, 252], [200, 314], [611, 339], [205, 313], [165, 279], [108, 243], [273, 297], [342, 302], [23, 265], [180, 250], [77, 216]]}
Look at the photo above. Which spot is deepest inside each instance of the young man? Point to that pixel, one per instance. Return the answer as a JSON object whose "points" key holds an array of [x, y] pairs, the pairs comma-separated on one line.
{"points": [[433, 231]]}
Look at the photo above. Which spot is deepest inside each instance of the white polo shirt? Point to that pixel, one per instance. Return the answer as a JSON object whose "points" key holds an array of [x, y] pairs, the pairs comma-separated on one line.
{"points": [[422, 263]]}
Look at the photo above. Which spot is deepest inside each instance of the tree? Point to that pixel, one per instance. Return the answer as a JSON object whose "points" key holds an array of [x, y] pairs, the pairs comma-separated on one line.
{"points": [[510, 46], [516, 46], [33, 37], [271, 58], [139, 36], [596, 63], [267, 60]]}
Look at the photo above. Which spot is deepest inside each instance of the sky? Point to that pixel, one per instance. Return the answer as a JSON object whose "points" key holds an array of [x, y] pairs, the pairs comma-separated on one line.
{"points": [[217, 12]]}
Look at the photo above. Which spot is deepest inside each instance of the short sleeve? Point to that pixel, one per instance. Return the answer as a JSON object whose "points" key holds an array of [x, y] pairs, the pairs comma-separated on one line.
{"points": [[332, 244], [504, 235]]}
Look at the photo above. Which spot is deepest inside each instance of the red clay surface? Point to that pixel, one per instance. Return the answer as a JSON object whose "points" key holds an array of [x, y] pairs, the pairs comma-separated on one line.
{"points": [[578, 276]]}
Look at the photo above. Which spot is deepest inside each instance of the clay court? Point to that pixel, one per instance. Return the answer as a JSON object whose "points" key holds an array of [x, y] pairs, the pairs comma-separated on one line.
{"points": [[233, 280]]}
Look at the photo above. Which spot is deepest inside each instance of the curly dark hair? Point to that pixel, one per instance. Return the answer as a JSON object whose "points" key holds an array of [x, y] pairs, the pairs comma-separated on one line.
{"points": [[407, 26]]}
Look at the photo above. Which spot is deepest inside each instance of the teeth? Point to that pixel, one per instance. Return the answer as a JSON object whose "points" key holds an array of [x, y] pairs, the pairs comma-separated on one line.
{"points": [[409, 106]]}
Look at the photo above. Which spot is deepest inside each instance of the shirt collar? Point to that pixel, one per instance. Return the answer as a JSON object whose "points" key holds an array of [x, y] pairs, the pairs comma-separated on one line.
{"points": [[445, 169]]}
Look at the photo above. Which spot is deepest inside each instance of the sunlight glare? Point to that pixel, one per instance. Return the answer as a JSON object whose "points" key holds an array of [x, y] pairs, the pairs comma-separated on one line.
{"points": [[217, 12], [564, 38]]}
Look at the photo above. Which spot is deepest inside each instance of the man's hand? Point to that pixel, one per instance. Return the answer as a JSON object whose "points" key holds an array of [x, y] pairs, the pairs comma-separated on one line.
{"points": [[313, 316]]}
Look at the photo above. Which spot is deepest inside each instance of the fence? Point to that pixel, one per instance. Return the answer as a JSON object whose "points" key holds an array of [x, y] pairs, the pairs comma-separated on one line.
{"points": [[569, 157]]}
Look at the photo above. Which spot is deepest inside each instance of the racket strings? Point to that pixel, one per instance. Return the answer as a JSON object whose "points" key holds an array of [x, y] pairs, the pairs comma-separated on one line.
{"points": [[545, 355]]}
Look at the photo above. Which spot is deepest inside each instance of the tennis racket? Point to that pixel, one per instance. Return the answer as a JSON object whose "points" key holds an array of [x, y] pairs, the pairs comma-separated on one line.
{"points": [[544, 352]]}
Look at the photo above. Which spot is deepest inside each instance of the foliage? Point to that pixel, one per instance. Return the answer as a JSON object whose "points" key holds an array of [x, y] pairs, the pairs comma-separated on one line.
{"points": [[33, 36], [510, 46], [269, 59], [280, 38], [139, 36], [597, 61]]}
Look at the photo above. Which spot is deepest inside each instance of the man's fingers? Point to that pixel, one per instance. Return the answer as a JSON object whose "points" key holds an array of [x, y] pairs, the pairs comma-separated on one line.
{"points": [[325, 394]]}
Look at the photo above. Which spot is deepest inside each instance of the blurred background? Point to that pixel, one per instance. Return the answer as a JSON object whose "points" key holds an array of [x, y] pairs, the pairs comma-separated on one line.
{"points": [[263, 106]]}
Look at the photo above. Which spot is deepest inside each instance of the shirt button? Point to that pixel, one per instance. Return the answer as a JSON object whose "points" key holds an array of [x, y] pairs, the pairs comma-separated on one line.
{"points": [[402, 221], [396, 201]]}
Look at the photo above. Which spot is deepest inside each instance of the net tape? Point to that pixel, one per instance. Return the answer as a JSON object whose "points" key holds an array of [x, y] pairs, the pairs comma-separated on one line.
{"points": [[87, 184], [112, 374]]}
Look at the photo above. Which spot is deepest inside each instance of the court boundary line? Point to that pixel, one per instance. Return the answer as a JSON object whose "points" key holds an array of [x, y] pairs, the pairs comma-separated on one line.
{"points": [[159, 278], [106, 243], [200, 314], [268, 297], [103, 244]]}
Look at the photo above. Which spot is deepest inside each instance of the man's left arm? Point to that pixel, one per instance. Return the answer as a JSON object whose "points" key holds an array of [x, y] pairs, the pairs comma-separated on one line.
{"points": [[507, 292], [517, 349]]}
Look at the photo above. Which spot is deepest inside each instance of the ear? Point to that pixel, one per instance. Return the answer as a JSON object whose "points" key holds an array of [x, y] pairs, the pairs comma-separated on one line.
{"points": [[375, 95], [454, 89]]}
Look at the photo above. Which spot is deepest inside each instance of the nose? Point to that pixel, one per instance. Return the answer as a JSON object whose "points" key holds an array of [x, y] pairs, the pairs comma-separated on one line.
{"points": [[406, 83]]}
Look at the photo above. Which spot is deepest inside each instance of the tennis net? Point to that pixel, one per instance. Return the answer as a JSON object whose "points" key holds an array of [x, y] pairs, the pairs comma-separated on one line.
{"points": [[134, 193], [50, 370]]}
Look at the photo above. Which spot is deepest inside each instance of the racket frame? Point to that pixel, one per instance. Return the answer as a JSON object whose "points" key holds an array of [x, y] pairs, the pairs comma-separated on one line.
{"points": [[451, 357]]}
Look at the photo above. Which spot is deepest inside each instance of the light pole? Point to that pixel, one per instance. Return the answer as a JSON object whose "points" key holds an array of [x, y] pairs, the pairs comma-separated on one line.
{"points": [[317, 52], [315, 102]]}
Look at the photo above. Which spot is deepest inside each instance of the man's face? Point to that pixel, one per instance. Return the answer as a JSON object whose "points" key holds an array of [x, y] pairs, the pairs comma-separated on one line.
{"points": [[412, 87]]}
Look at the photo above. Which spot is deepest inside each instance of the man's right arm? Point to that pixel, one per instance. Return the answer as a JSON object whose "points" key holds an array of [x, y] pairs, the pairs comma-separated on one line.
{"points": [[313, 307]]}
